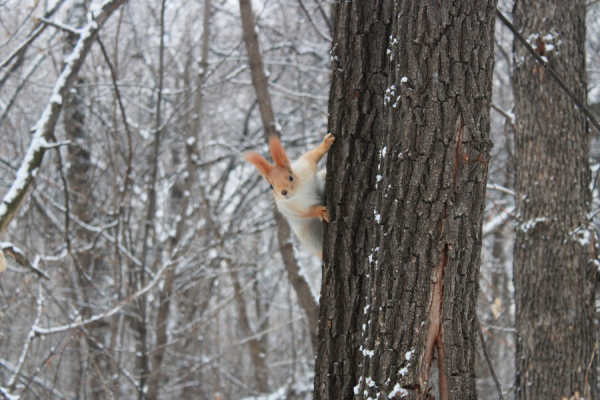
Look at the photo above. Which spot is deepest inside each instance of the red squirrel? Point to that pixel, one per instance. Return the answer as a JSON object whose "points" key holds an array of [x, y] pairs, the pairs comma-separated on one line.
{"points": [[298, 189]]}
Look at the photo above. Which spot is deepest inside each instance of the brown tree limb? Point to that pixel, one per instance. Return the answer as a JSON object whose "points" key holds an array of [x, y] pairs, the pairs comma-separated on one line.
{"points": [[259, 80]]}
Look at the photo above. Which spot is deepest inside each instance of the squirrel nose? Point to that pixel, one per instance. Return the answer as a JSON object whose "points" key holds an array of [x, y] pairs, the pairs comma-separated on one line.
{"points": [[284, 192]]}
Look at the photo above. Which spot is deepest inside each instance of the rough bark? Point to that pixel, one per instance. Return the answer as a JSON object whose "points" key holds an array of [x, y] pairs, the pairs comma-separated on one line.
{"points": [[409, 105], [259, 80], [553, 274]]}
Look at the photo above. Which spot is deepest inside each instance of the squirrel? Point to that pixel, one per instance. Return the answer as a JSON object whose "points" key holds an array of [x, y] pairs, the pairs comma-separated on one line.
{"points": [[298, 189]]}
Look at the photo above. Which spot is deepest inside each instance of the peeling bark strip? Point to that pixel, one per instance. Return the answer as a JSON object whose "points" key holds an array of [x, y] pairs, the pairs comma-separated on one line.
{"points": [[44, 128], [409, 104], [554, 278]]}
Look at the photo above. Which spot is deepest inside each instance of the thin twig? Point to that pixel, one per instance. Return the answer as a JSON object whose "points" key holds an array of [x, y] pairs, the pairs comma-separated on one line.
{"points": [[40, 303], [21, 259], [324, 17], [550, 70], [323, 36], [61, 26], [554, 75], [21, 85], [487, 359], [509, 116], [98, 317], [113, 75]]}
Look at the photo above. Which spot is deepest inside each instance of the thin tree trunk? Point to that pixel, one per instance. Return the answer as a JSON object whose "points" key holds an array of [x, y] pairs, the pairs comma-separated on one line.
{"points": [[78, 178], [141, 325], [189, 182], [553, 274], [257, 351], [409, 105], [259, 80]]}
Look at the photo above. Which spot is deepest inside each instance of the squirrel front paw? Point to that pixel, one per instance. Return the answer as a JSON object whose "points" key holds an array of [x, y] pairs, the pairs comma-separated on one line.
{"points": [[324, 214], [328, 140]]}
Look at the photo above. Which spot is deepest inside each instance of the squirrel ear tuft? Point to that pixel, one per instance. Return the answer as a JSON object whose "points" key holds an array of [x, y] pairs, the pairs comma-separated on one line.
{"points": [[278, 153], [260, 163]]}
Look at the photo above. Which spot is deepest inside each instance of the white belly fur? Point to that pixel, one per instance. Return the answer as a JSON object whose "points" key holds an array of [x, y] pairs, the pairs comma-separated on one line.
{"points": [[310, 192]]}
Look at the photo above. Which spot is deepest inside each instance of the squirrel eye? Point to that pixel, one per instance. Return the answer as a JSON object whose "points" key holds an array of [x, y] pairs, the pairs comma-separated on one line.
{"points": [[291, 179], [271, 186]]}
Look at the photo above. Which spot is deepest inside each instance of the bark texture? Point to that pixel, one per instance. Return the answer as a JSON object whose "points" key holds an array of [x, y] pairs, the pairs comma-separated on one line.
{"points": [[553, 274], [409, 105]]}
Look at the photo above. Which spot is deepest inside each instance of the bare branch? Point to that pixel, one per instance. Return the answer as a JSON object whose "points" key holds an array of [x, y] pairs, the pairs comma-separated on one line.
{"points": [[489, 362], [44, 128]]}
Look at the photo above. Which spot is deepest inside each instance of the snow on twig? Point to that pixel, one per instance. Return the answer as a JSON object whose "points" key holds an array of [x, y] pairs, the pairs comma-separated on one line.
{"points": [[79, 323], [40, 303], [20, 258], [44, 128]]}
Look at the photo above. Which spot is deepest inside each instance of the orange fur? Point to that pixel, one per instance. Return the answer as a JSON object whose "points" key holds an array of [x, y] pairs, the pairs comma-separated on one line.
{"points": [[298, 189], [277, 151], [262, 165]]}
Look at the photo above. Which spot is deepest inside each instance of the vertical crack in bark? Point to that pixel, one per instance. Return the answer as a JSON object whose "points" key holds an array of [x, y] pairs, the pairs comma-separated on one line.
{"points": [[433, 336]]}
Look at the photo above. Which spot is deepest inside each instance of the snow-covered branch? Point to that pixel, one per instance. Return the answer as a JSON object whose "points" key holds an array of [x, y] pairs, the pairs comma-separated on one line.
{"points": [[40, 303], [44, 128], [79, 323]]}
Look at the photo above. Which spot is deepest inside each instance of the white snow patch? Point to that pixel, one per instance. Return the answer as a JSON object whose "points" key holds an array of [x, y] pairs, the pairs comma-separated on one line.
{"points": [[6, 393], [525, 226], [389, 94], [56, 98], [397, 391], [37, 144], [357, 387], [369, 353], [582, 236]]}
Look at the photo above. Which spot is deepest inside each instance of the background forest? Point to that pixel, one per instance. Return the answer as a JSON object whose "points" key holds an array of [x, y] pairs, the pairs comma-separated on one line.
{"points": [[145, 262]]}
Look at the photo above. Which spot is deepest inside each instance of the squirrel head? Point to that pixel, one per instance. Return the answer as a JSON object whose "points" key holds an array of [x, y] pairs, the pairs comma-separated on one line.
{"points": [[280, 176]]}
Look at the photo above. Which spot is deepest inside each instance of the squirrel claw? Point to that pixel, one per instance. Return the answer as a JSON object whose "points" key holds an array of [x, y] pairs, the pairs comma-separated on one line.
{"points": [[324, 215]]}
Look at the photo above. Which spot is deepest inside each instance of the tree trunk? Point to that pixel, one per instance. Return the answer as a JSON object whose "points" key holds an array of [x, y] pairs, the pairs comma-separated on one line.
{"points": [[553, 275], [188, 185], [409, 104], [85, 269]]}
